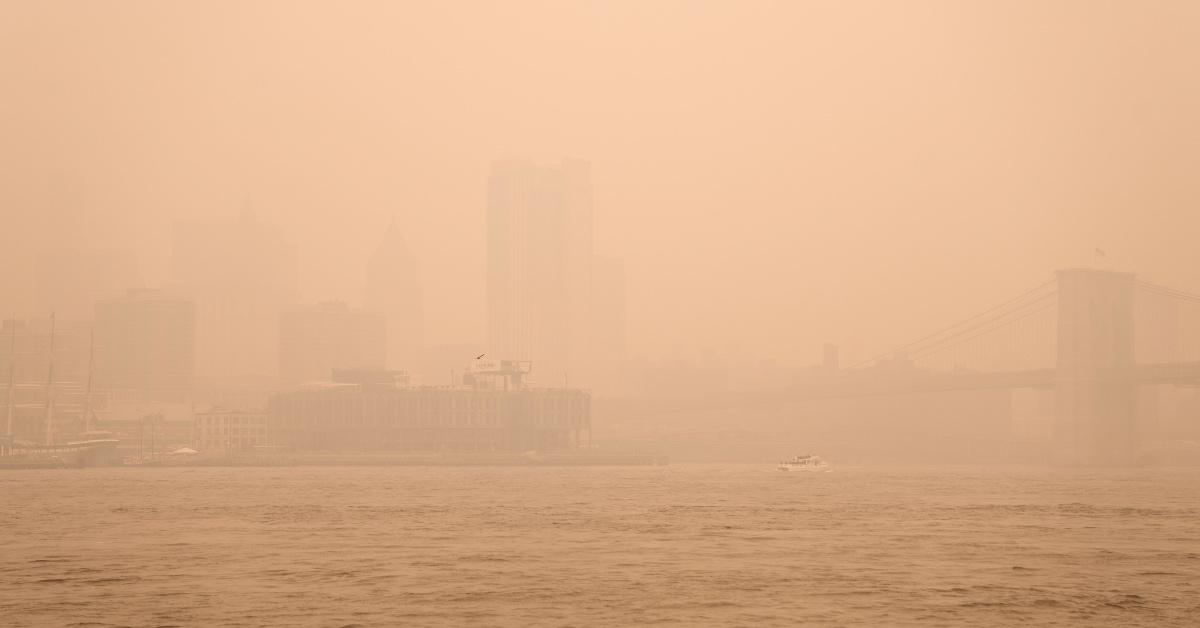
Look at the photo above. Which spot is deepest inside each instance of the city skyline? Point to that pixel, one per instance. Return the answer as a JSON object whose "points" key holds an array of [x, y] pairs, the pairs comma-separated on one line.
{"points": [[600, 313], [239, 277], [723, 146]]}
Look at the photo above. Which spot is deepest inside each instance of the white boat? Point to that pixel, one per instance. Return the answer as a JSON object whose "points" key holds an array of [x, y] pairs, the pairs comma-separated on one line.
{"points": [[806, 462]]}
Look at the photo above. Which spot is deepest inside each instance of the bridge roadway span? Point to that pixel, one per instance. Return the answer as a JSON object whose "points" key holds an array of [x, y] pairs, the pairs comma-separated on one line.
{"points": [[865, 384]]}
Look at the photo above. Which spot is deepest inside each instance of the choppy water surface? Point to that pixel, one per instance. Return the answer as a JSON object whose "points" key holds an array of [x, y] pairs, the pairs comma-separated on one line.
{"points": [[690, 545]]}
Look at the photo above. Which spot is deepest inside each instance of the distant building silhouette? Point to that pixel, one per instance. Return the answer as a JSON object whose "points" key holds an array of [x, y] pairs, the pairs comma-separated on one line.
{"points": [[372, 414], [316, 339], [444, 364], [608, 322], [222, 430], [69, 281], [394, 291], [539, 267], [146, 341], [242, 274]]}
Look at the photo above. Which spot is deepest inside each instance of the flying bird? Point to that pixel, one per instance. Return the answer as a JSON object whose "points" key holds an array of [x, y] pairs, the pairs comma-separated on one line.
{"points": [[480, 356]]}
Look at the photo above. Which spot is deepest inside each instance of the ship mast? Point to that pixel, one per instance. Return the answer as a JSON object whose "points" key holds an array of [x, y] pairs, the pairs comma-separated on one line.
{"points": [[50, 388]]}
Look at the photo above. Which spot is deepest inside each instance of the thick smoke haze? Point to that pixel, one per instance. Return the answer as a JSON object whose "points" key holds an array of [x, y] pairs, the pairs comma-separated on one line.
{"points": [[599, 313], [774, 175]]}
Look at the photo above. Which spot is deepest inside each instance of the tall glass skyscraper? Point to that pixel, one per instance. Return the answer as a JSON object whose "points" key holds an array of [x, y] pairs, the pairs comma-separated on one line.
{"points": [[539, 267]]}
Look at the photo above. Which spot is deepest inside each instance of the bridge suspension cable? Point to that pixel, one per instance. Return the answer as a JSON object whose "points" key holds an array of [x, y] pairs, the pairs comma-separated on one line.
{"points": [[1169, 324], [1045, 302], [1164, 291], [972, 323]]}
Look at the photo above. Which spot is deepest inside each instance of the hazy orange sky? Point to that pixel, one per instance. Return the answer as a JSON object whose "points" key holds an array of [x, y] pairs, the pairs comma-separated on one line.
{"points": [[773, 174]]}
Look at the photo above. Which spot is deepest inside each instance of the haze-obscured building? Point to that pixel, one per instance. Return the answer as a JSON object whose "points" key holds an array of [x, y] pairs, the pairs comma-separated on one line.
{"points": [[146, 341], [235, 392], [539, 267], [315, 340], [443, 364], [70, 281], [221, 430], [361, 413], [241, 274], [609, 366], [393, 290]]}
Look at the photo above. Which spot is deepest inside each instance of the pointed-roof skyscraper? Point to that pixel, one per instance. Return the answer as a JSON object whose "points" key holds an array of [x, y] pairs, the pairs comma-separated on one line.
{"points": [[394, 290]]}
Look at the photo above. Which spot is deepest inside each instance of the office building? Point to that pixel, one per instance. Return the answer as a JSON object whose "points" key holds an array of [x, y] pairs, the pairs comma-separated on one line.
{"points": [[146, 341], [218, 430], [608, 327], [364, 413], [539, 267], [70, 281], [241, 274], [315, 340], [394, 291]]}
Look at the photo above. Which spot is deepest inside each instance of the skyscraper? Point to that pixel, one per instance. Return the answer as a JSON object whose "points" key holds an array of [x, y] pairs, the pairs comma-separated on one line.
{"points": [[241, 274], [539, 267], [316, 339], [608, 321], [146, 341], [394, 290], [69, 282]]}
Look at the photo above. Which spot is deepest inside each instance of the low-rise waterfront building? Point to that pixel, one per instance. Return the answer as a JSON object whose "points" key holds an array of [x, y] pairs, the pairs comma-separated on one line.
{"points": [[221, 430], [367, 413]]}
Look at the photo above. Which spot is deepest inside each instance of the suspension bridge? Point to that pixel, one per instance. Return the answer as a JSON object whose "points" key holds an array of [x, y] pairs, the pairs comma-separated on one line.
{"points": [[1091, 337]]}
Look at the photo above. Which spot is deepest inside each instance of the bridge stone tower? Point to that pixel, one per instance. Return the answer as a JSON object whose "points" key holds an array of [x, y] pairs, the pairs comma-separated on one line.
{"points": [[1096, 398]]}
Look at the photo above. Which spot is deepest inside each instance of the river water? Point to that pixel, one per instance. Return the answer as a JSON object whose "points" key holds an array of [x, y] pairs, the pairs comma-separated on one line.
{"points": [[678, 544]]}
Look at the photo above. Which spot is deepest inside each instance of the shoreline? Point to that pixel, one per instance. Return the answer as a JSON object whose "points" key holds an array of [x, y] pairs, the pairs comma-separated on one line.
{"points": [[369, 459]]}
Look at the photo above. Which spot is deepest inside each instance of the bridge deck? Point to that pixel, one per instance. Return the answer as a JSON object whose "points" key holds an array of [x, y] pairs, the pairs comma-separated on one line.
{"points": [[851, 385]]}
